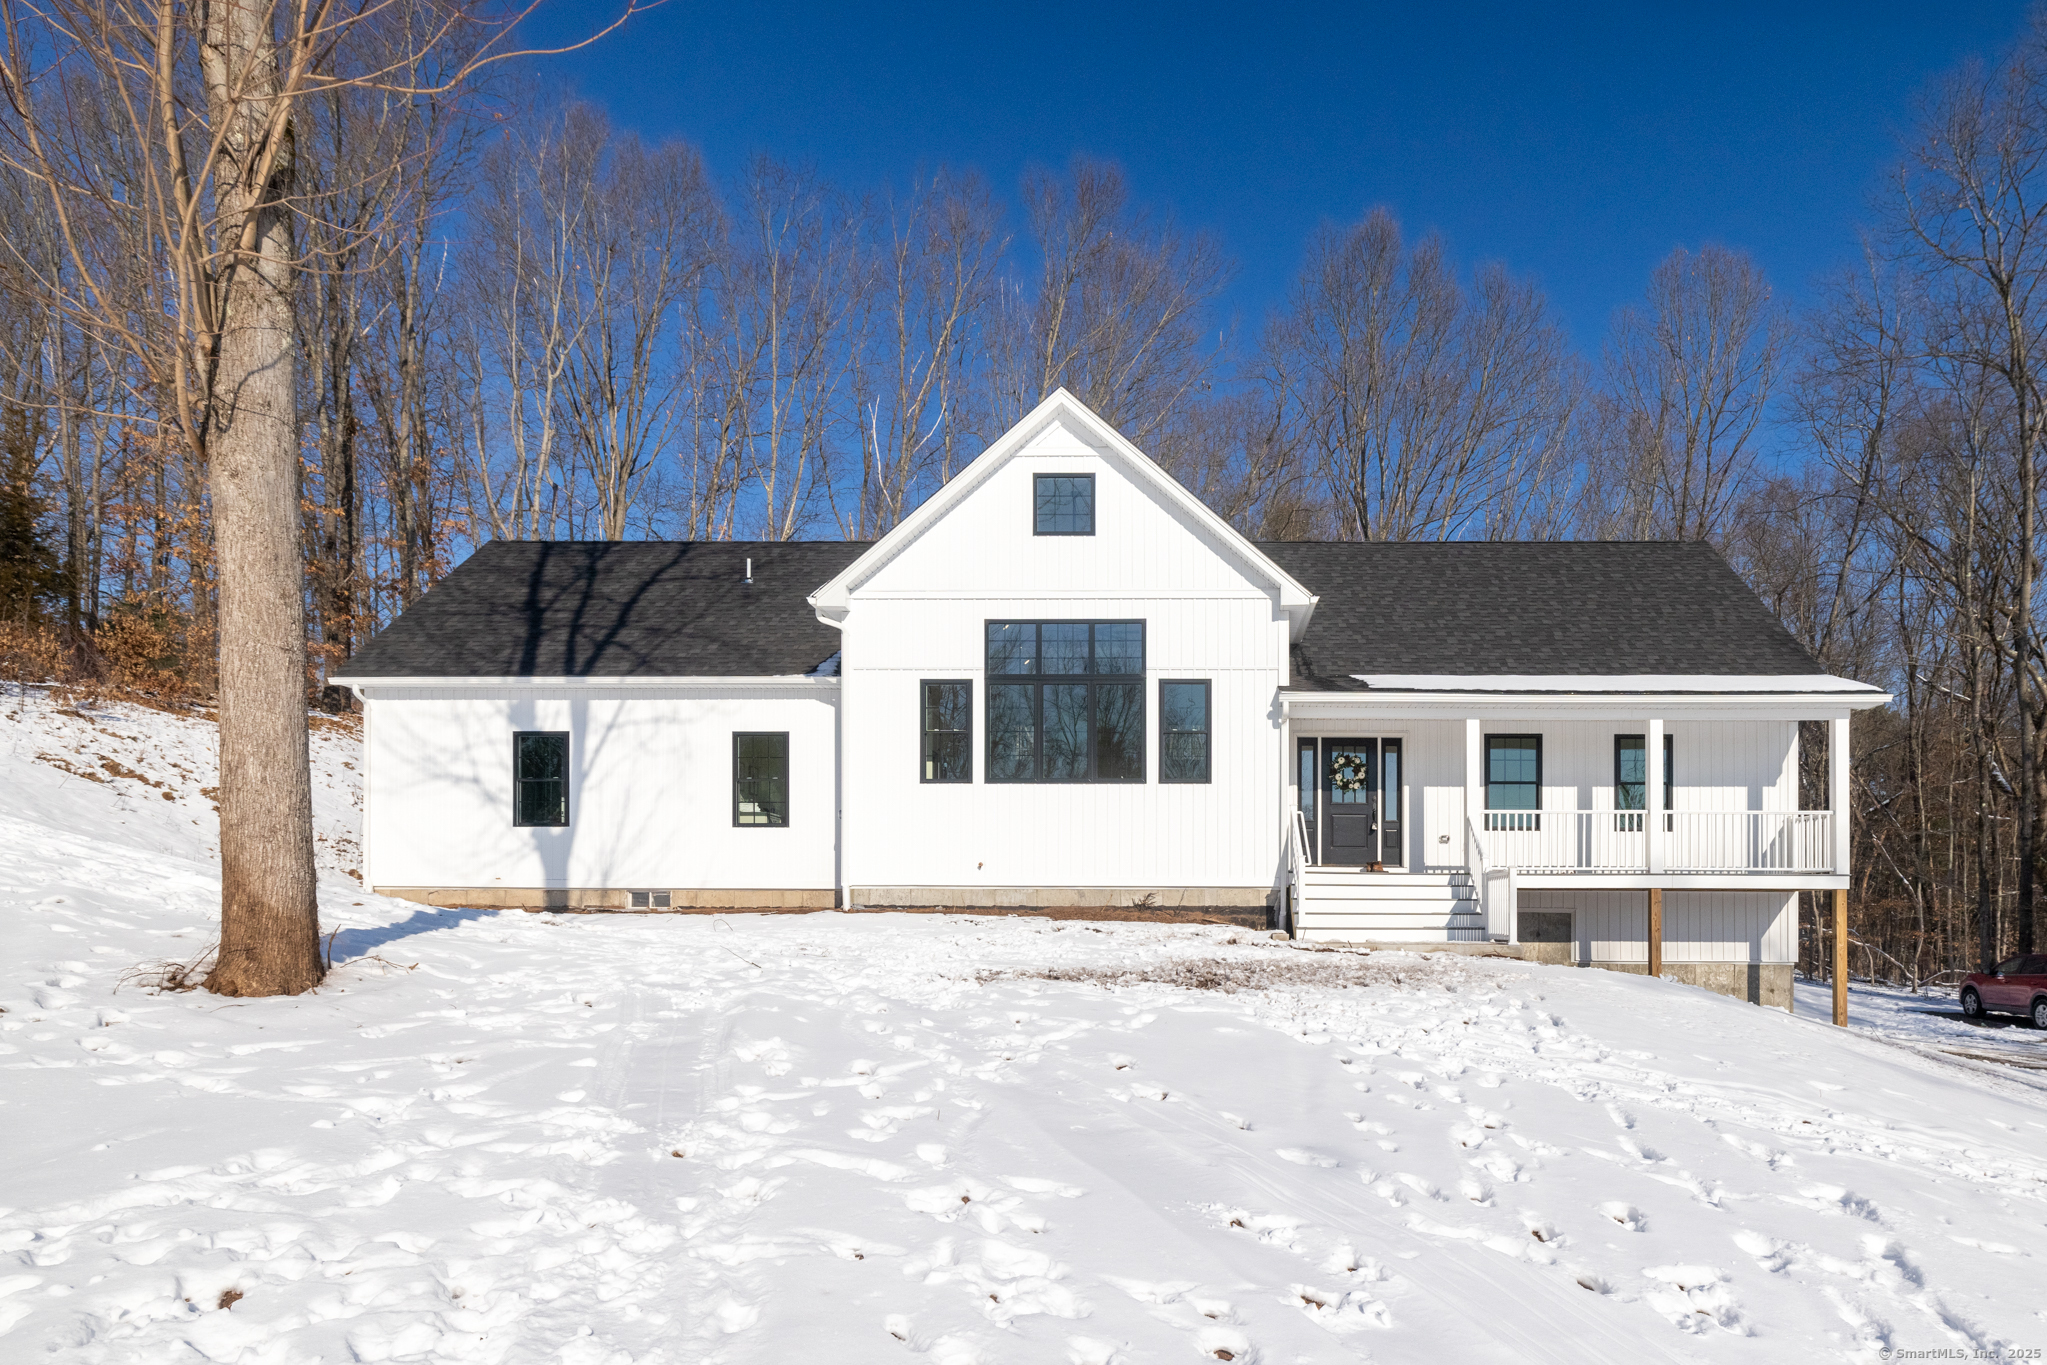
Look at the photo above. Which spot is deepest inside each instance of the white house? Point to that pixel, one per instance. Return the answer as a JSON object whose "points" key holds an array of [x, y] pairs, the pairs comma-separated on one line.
{"points": [[1064, 681]]}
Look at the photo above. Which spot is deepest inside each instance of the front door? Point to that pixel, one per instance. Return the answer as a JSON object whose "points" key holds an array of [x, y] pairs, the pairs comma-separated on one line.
{"points": [[1350, 795]]}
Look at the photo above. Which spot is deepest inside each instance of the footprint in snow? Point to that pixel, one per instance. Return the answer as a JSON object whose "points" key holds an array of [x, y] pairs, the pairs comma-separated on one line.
{"points": [[1302, 1156], [1627, 1215]]}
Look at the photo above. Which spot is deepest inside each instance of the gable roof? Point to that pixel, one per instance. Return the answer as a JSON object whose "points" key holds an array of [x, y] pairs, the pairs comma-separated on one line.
{"points": [[1510, 609], [647, 609], [1062, 408]]}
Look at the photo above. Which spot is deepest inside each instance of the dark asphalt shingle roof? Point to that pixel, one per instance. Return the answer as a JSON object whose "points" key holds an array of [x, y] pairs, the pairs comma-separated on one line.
{"points": [[581, 608], [682, 609], [1548, 607]]}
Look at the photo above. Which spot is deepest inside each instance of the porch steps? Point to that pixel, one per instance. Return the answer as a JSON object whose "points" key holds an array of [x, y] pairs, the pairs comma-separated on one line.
{"points": [[1351, 904]]}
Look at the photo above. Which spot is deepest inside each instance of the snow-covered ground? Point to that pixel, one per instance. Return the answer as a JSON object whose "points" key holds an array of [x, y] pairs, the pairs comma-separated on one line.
{"points": [[899, 1138]]}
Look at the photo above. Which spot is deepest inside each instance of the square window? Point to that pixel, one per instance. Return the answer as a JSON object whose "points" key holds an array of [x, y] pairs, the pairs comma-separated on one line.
{"points": [[540, 777], [1065, 504], [760, 779]]}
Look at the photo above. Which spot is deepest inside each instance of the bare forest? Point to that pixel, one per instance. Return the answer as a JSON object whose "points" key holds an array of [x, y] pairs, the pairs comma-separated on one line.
{"points": [[504, 317]]}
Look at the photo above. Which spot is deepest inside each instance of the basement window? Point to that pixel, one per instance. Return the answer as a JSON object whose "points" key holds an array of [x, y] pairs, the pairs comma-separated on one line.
{"points": [[651, 900], [540, 777]]}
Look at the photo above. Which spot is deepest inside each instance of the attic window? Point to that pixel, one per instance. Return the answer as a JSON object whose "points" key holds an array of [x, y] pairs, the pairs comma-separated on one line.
{"points": [[1065, 504]]}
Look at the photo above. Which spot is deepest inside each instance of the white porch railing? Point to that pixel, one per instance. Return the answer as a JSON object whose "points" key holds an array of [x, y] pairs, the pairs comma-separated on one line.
{"points": [[1555, 841]]}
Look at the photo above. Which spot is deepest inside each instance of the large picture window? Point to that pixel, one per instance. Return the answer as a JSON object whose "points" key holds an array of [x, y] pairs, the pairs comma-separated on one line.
{"points": [[1064, 505], [540, 777], [1065, 701], [948, 731], [760, 778], [1183, 731]]}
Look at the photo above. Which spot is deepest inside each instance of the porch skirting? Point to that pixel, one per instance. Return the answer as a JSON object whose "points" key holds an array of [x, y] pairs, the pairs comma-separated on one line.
{"points": [[610, 898]]}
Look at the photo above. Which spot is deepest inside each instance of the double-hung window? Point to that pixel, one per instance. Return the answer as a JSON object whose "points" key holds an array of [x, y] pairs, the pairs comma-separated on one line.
{"points": [[1631, 777], [760, 778], [1183, 731], [1513, 774], [540, 777], [948, 708], [1065, 701]]}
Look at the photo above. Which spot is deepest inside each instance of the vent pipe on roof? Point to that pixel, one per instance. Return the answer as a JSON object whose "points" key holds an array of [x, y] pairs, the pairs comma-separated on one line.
{"points": [[749, 572]]}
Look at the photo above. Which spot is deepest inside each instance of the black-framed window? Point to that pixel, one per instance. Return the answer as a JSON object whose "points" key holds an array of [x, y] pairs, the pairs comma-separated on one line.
{"points": [[1183, 730], [1065, 701], [760, 778], [948, 711], [540, 777], [1513, 772], [1631, 771], [1064, 504]]}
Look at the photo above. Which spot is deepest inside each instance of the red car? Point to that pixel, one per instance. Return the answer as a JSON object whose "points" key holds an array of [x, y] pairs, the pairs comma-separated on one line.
{"points": [[2017, 986]]}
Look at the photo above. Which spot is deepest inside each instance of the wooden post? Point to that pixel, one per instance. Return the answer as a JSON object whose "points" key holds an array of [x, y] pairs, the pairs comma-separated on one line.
{"points": [[1841, 958], [1656, 933]]}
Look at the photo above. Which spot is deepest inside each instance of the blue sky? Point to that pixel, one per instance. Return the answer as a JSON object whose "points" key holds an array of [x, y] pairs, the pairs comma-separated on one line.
{"points": [[1577, 144]]}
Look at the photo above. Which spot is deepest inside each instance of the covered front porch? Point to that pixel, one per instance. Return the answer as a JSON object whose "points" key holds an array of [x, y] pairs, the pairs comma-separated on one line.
{"points": [[1422, 815]]}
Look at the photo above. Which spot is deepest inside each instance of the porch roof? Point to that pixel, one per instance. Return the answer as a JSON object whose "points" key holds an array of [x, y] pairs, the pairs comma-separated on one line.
{"points": [[1460, 612]]}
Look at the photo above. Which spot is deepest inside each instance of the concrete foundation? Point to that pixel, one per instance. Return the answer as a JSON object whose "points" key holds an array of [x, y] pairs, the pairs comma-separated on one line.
{"points": [[1250, 905], [1759, 983], [608, 898]]}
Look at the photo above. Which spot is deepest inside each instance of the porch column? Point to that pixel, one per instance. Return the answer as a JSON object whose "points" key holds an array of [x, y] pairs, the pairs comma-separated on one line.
{"points": [[1837, 791], [1474, 784], [1837, 805], [1652, 798]]}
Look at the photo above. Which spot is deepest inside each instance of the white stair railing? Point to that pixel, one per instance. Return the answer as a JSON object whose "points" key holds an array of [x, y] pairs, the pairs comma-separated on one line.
{"points": [[1297, 871], [1494, 888]]}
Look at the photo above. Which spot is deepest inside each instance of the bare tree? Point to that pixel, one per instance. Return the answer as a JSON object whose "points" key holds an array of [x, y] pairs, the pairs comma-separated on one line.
{"points": [[185, 256], [934, 281], [1687, 385], [1118, 313], [1970, 208], [1435, 411]]}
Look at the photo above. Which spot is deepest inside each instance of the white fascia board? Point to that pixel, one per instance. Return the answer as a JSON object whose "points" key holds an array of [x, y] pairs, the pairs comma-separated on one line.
{"points": [[1506, 706], [1634, 684], [1681, 881], [831, 602], [792, 681]]}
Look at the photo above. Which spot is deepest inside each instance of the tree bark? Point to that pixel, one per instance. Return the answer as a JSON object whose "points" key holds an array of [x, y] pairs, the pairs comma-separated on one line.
{"points": [[269, 905]]}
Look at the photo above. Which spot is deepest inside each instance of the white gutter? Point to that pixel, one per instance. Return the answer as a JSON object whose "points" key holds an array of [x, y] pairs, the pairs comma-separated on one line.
{"points": [[1630, 684]]}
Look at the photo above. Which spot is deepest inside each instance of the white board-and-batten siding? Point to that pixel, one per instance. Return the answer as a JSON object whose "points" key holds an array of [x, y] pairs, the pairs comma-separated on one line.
{"points": [[1698, 926], [923, 615], [650, 789]]}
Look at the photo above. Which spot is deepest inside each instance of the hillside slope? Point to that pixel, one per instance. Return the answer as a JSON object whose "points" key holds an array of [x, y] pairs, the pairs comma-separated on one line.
{"points": [[497, 1136]]}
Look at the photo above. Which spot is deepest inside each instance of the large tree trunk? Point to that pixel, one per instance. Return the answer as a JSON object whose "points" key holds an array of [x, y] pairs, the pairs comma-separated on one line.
{"points": [[269, 905]]}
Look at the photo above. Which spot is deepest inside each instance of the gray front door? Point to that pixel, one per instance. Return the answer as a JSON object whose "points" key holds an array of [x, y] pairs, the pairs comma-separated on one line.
{"points": [[1350, 793]]}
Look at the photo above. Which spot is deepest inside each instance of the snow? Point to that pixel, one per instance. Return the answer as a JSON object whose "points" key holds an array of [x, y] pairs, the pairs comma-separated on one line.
{"points": [[500, 1136]]}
